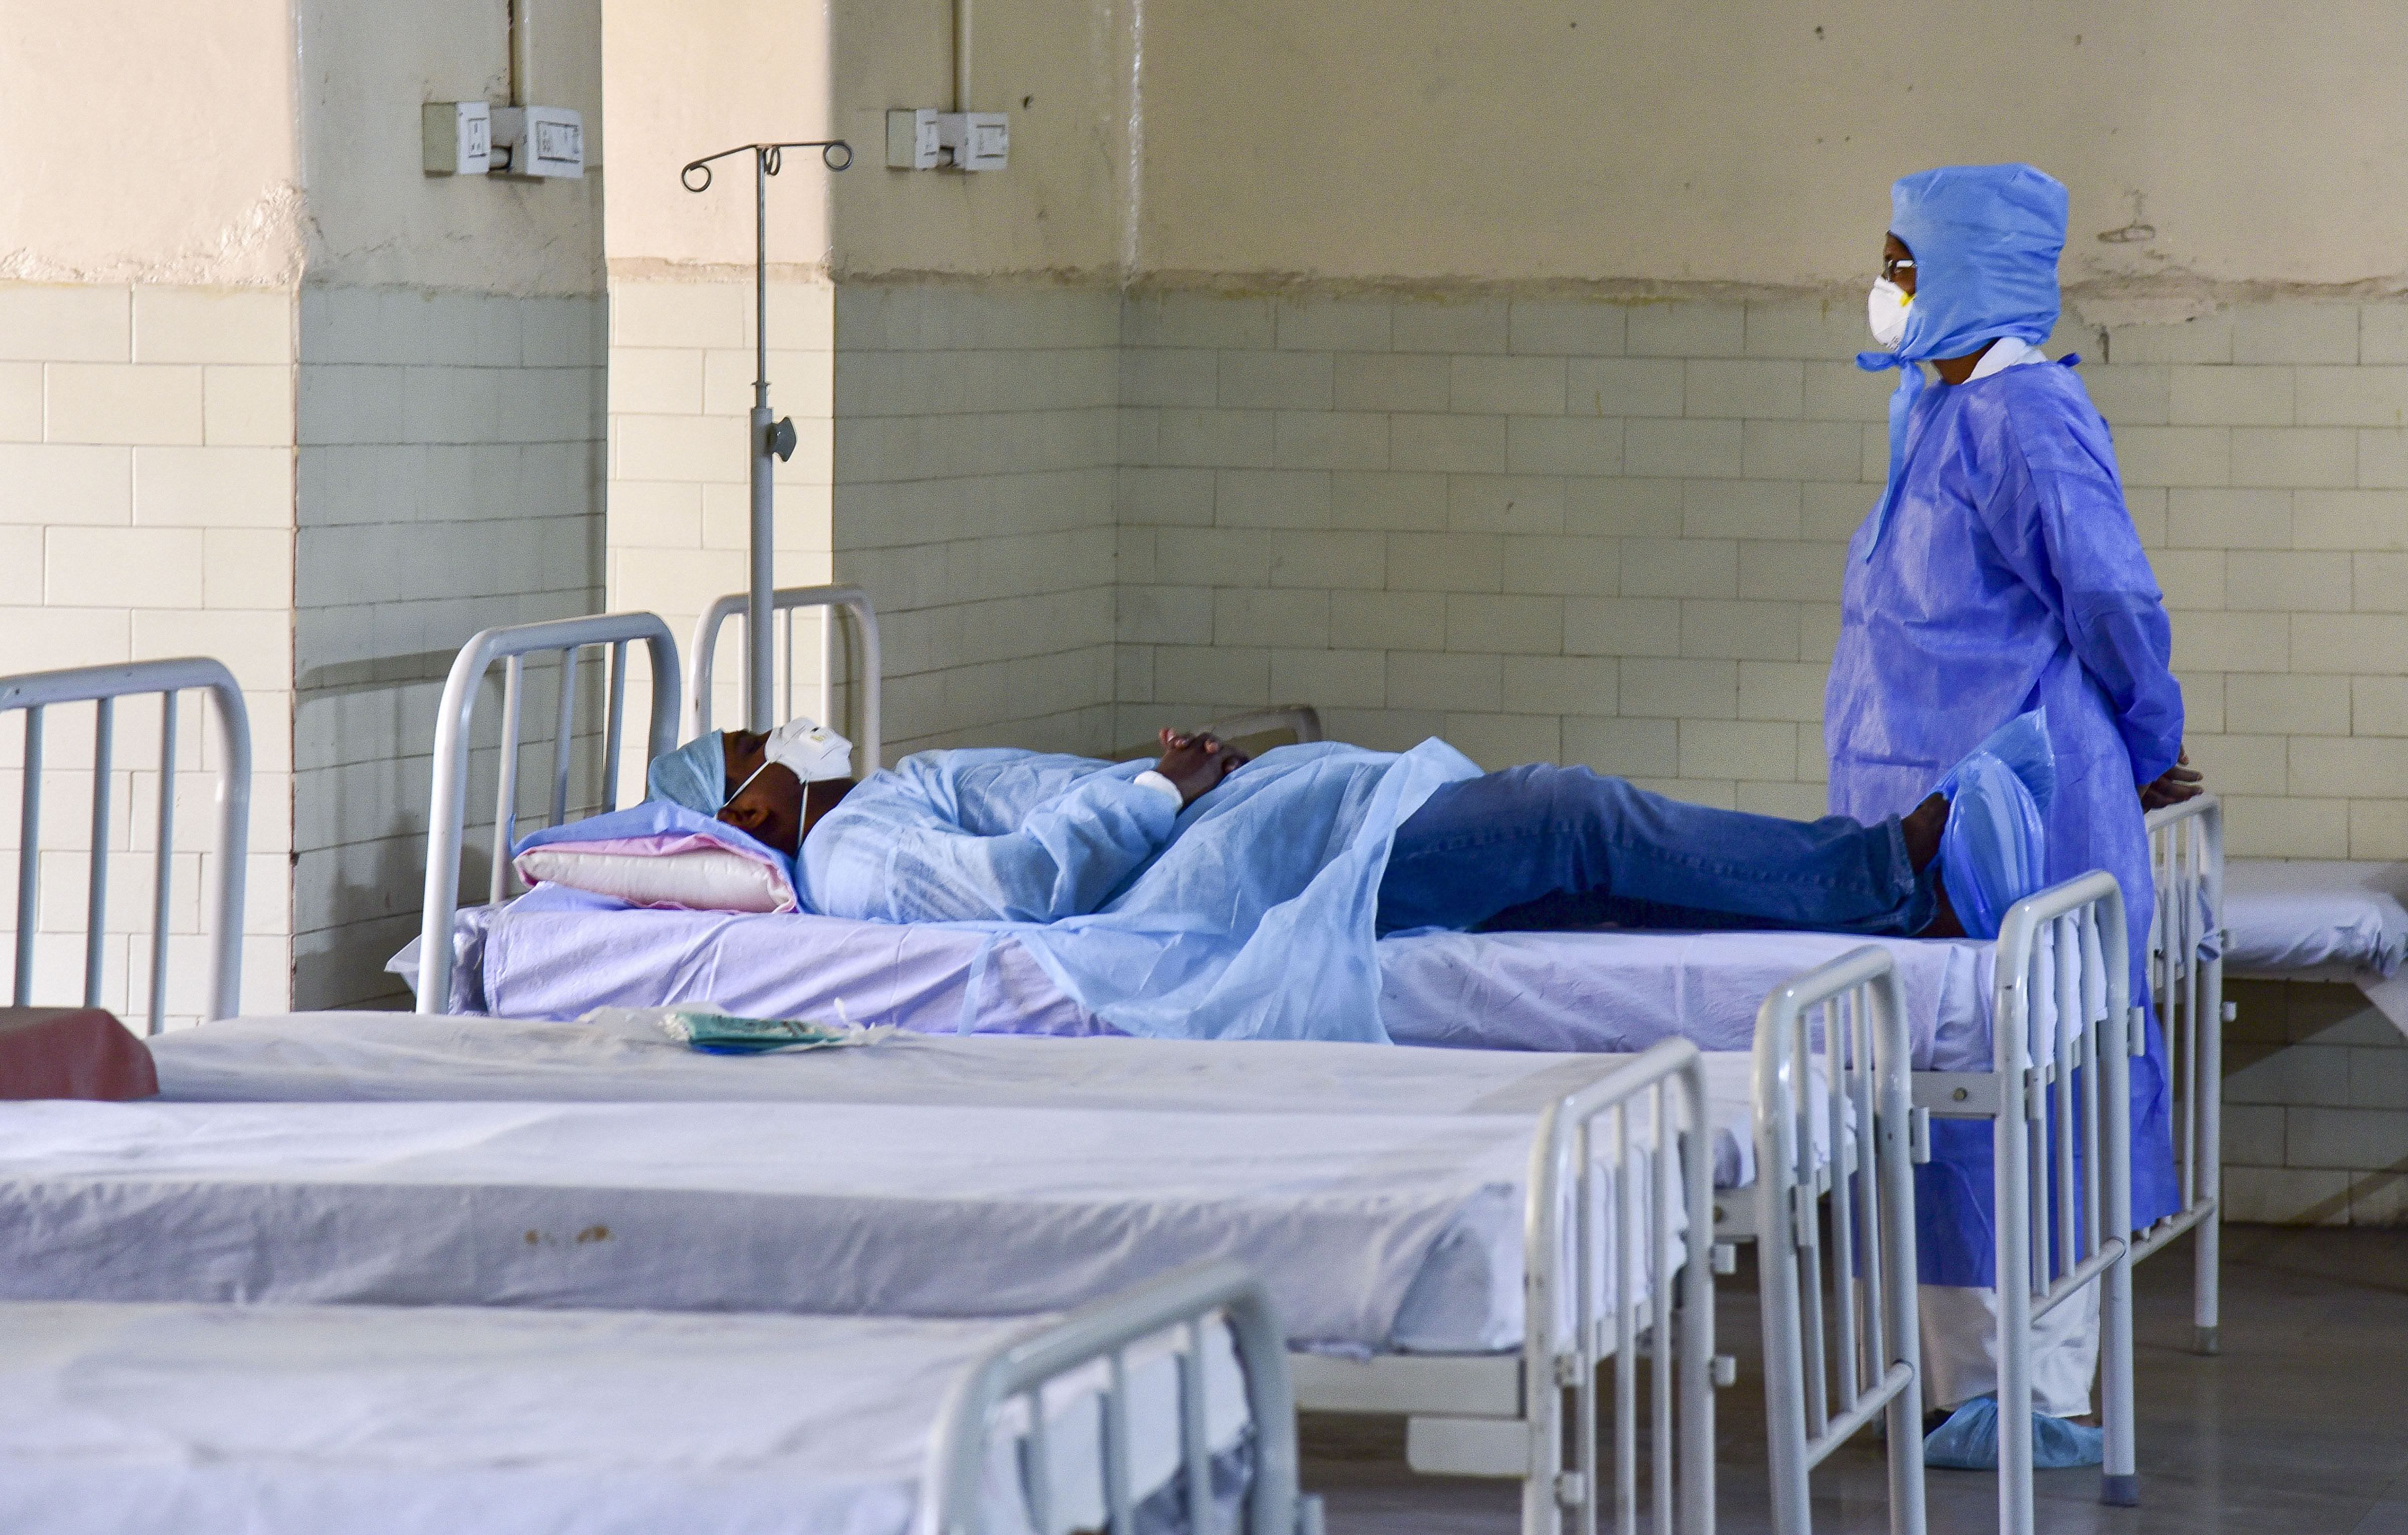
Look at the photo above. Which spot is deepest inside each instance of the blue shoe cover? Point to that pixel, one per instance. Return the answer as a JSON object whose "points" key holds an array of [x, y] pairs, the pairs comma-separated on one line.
{"points": [[1969, 1441], [1993, 851]]}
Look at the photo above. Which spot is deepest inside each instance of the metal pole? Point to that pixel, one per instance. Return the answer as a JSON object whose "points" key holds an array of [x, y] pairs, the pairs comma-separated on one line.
{"points": [[764, 532]]}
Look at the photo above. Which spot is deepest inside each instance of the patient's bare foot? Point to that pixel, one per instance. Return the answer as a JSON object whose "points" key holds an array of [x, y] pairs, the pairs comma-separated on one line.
{"points": [[1923, 826], [1943, 922]]}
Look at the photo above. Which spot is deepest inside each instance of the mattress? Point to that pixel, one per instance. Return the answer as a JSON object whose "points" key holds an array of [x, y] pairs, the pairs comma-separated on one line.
{"points": [[129, 1419], [1372, 1231], [1583, 990], [327, 1057], [2314, 919]]}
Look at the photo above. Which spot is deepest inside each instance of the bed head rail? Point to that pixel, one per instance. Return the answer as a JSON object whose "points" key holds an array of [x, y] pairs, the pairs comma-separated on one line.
{"points": [[448, 806], [2063, 1031], [1826, 1376], [34, 693], [1622, 1174], [1300, 721], [2187, 944], [787, 600], [1188, 1301]]}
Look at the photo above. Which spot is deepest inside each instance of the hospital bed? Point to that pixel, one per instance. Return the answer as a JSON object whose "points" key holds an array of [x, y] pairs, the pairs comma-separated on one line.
{"points": [[2320, 921], [1164, 1407]]}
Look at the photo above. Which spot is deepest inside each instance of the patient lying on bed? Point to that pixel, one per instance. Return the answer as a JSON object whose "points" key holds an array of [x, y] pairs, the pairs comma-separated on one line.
{"points": [[1021, 836]]}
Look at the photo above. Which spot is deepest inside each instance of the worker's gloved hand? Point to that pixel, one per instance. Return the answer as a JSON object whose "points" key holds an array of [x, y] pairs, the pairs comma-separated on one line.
{"points": [[1196, 765], [2177, 783]]}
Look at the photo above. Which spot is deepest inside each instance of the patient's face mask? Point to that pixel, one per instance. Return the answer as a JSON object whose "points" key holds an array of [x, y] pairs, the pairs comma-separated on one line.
{"points": [[812, 751], [1886, 311]]}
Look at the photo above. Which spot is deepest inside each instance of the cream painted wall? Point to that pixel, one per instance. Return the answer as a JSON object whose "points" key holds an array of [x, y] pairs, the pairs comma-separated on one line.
{"points": [[1662, 142], [374, 217], [688, 78], [1061, 71], [175, 162]]}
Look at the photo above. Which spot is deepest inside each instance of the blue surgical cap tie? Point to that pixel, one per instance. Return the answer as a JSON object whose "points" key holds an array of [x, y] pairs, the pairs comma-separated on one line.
{"points": [[1986, 241]]}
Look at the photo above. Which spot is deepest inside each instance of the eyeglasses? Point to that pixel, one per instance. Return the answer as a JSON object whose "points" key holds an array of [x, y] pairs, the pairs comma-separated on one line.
{"points": [[1892, 265]]}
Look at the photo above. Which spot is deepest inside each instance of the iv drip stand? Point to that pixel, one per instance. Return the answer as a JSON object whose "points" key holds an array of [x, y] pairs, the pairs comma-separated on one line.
{"points": [[770, 434]]}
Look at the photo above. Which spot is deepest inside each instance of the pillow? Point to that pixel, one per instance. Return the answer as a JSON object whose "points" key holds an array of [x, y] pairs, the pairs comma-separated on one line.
{"points": [[685, 874]]}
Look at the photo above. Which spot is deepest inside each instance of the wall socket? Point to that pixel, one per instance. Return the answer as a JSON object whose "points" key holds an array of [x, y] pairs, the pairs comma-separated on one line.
{"points": [[925, 138]]}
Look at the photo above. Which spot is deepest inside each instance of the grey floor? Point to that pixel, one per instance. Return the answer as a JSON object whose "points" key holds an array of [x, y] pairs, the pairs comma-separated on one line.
{"points": [[2299, 1426]]}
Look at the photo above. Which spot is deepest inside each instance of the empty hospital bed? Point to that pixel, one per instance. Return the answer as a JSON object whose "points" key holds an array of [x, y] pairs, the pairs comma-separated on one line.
{"points": [[1164, 1407]]}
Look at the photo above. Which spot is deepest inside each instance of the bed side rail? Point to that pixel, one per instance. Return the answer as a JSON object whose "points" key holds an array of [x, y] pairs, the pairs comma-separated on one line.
{"points": [[1832, 1366], [2063, 1030], [1622, 1183], [35, 693], [2187, 944], [787, 600], [1190, 1301], [448, 804]]}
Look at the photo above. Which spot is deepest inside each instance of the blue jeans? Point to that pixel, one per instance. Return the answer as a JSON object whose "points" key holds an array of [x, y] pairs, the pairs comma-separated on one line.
{"points": [[1542, 847]]}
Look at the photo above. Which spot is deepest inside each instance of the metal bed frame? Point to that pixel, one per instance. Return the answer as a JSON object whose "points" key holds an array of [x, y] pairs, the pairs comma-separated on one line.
{"points": [[1188, 1300], [2061, 1139], [1818, 1392], [447, 804], [34, 693], [2186, 973], [786, 600], [1627, 1151]]}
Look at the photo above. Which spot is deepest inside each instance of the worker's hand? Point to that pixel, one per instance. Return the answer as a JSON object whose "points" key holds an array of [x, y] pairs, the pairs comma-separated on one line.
{"points": [[1196, 764], [2177, 783]]}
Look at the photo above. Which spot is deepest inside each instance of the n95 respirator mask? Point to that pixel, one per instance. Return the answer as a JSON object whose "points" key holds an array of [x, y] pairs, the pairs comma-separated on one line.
{"points": [[1886, 311]]}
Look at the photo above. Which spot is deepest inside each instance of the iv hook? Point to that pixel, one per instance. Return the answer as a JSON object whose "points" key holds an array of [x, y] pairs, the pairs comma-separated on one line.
{"points": [[835, 153]]}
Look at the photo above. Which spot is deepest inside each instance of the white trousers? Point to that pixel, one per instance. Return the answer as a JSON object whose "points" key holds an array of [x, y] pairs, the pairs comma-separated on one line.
{"points": [[1961, 1349]]}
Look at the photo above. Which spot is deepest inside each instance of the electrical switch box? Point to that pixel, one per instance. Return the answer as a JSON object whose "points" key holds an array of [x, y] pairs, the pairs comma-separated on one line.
{"points": [[541, 141], [980, 140], [911, 139], [457, 138], [924, 138]]}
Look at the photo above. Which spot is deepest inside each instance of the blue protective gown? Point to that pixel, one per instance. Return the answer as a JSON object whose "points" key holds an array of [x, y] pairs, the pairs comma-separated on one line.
{"points": [[1247, 916], [2008, 577]]}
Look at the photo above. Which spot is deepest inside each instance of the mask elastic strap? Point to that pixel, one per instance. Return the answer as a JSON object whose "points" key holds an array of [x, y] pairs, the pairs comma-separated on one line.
{"points": [[746, 784]]}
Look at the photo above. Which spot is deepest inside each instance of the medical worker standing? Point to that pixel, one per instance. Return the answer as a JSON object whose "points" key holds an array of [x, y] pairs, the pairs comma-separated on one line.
{"points": [[1999, 573]]}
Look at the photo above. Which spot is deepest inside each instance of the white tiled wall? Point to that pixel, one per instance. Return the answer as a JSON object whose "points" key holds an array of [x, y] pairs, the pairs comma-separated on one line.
{"points": [[1614, 533], [680, 394], [2316, 1113], [450, 472], [974, 459], [145, 511]]}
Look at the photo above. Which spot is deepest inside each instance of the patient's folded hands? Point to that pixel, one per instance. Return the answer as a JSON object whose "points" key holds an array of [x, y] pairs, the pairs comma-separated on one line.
{"points": [[1196, 765]]}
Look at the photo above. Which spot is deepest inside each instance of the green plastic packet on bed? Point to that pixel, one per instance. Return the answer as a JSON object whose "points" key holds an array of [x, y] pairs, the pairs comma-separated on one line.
{"points": [[703, 1027]]}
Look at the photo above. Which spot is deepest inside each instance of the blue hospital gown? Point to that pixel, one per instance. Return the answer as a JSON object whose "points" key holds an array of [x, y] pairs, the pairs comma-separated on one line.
{"points": [[2010, 577], [1247, 916]]}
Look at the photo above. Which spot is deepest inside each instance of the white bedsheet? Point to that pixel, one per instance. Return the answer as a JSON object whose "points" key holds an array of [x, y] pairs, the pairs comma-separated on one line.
{"points": [[2314, 919], [1625, 991], [1372, 1231], [173, 1420], [1587, 991], [398, 1057]]}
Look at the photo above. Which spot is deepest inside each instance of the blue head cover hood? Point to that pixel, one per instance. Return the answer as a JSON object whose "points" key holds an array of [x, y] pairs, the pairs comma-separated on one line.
{"points": [[1986, 241], [695, 775]]}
